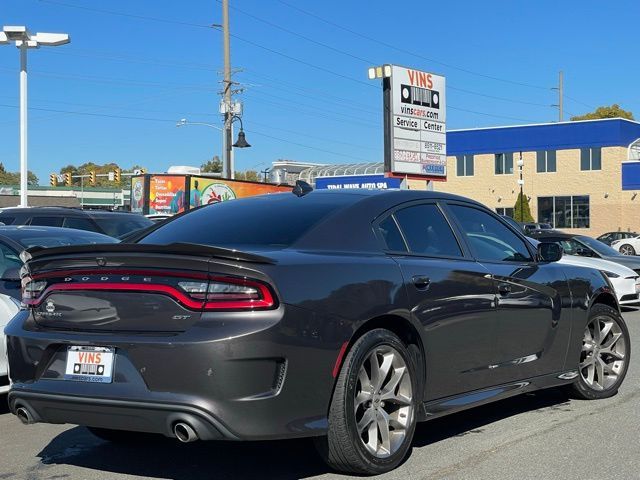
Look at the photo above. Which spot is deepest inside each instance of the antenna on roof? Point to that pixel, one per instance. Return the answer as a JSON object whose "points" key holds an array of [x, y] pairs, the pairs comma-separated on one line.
{"points": [[301, 188]]}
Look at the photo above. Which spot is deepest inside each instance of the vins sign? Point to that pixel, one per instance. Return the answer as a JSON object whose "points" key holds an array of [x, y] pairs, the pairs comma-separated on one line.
{"points": [[416, 136]]}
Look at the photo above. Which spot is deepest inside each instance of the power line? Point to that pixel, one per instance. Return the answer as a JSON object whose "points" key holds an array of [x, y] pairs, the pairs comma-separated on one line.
{"points": [[164, 120], [578, 101], [128, 15], [408, 52]]}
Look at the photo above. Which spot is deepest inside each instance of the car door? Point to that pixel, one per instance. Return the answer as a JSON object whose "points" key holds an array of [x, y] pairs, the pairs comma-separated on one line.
{"points": [[533, 320], [450, 295]]}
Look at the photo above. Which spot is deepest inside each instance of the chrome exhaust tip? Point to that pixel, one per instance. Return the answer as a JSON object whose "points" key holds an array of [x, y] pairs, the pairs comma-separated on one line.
{"points": [[24, 416], [184, 432]]}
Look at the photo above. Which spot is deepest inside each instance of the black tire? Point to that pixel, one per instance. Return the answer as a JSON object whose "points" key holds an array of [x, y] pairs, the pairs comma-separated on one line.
{"points": [[628, 248], [343, 448], [122, 436], [581, 388]]}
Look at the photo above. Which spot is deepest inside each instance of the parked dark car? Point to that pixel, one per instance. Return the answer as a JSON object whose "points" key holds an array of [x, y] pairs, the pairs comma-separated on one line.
{"points": [[15, 239], [344, 316], [534, 227], [574, 244], [609, 237], [114, 224]]}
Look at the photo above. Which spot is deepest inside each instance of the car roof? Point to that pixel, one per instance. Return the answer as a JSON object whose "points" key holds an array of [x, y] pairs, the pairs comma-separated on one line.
{"points": [[65, 211]]}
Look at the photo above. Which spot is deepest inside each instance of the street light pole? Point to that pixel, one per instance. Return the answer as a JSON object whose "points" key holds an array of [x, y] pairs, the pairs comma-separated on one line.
{"points": [[23, 39], [24, 171], [521, 182]]}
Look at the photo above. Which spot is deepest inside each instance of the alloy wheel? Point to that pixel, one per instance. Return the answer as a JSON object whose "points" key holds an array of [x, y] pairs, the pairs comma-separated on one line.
{"points": [[603, 356], [627, 250], [383, 401]]}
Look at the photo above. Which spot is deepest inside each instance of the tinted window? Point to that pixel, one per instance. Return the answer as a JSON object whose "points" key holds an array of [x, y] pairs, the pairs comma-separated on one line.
{"points": [[47, 221], [80, 224], [489, 238], [7, 220], [427, 231], [8, 259], [267, 220], [117, 225], [58, 238], [391, 235]]}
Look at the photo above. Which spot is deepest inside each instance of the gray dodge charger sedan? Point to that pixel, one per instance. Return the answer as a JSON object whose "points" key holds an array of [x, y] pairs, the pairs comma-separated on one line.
{"points": [[347, 316]]}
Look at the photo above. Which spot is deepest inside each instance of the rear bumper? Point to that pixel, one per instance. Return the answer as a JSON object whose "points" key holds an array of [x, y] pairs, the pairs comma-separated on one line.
{"points": [[136, 416], [231, 376]]}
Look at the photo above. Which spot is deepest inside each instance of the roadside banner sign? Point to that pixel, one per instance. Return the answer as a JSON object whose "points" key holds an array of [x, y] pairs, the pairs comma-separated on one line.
{"points": [[357, 181]]}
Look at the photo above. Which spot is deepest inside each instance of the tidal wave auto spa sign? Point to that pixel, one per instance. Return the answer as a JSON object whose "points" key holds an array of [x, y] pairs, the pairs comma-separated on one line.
{"points": [[357, 181], [415, 121]]}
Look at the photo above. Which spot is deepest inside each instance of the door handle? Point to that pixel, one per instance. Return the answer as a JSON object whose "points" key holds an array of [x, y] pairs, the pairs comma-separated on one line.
{"points": [[504, 289], [421, 282]]}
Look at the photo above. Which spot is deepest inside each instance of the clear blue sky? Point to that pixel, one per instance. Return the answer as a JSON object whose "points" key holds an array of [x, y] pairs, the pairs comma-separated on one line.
{"points": [[115, 93]]}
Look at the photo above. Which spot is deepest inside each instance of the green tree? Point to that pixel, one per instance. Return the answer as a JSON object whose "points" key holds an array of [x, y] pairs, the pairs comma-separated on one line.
{"points": [[13, 178], [212, 166], [613, 111], [521, 210]]}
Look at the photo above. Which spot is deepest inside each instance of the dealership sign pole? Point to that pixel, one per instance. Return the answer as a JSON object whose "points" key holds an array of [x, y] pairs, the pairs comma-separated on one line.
{"points": [[415, 139]]}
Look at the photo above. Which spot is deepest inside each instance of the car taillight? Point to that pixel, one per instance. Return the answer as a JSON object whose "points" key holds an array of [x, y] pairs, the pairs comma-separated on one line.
{"points": [[229, 293], [32, 290]]}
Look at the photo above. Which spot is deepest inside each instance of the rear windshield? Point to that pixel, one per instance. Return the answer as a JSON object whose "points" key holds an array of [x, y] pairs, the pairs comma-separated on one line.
{"points": [[275, 221], [119, 225]]}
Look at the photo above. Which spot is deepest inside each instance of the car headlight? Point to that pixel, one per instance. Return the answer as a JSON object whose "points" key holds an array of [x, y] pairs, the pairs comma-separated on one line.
{"points": [[611, 274]]}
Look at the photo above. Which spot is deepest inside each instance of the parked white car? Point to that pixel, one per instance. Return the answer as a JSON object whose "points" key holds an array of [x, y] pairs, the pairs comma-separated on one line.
{"points": [[625, 281], [9, 306], [627, 246]]}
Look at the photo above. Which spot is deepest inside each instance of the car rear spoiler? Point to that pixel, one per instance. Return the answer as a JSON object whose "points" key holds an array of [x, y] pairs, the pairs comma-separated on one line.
{"points": [[193, 249]]}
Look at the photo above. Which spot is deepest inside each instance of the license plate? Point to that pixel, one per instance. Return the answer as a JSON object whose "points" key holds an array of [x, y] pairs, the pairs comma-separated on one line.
{"points": [[90, 364]]}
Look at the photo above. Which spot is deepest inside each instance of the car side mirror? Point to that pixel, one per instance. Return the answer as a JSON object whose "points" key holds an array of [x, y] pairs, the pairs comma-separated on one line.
{"points": [[549, 252], [11, 275]]}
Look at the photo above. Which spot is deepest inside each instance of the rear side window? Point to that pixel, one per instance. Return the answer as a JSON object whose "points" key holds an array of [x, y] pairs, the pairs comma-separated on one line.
{"points": [[7, 220], [80, 224], [427, 231], [488, 237], [47, 221], [391, 235]]}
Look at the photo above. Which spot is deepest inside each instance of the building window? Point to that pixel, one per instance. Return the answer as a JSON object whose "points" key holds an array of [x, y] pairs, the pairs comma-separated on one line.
{"points": [[506, 211], [591, 158], [564, 212], [546, 161], [464, 165], [504, 163]]}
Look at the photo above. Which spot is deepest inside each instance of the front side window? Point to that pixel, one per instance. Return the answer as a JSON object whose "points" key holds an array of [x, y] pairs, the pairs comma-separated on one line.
{"points": [[464, 165], [490, 239], [504, 163], [427, 231], [546, 161], [591, 158]]}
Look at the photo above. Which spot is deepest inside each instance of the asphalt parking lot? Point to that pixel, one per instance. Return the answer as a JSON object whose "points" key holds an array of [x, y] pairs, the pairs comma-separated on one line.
{"points": [[538, 436]]}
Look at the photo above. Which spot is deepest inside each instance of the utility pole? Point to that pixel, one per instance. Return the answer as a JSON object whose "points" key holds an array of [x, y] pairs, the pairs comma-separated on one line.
{"points": [[228, 114], [560, 96]]}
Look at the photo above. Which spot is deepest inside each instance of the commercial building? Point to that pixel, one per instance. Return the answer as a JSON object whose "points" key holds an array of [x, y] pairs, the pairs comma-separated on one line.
{"points": [[577, 175], [573, 172]]}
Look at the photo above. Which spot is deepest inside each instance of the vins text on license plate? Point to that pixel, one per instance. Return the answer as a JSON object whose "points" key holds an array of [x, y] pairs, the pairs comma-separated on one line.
{"points": [[89, 364]]}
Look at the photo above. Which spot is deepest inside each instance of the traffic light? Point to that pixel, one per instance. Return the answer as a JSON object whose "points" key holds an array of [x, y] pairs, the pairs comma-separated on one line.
{"points": [[116, 175], [68, 181], [92, 177], [53, 180]]}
